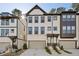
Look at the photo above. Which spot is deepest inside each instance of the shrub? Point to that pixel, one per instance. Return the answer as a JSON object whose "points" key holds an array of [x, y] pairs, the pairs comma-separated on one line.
{"points": [[61, 48], [25, 46], [46, 48]]}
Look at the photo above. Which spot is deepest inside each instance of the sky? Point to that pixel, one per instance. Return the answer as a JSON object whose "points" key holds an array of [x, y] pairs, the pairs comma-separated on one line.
{"points": [[25, 7]]}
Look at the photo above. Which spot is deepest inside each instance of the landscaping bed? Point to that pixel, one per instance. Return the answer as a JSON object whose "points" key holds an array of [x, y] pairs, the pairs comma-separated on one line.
{"points": [[15, 53]]}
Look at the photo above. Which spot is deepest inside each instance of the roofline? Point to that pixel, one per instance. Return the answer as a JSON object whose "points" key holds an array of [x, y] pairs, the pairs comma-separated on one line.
{"points": [[38, 7]]}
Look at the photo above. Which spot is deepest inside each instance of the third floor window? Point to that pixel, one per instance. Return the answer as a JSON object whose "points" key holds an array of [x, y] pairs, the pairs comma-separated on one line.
{"points": [[36, 19], [30, 19], [5, 22]]}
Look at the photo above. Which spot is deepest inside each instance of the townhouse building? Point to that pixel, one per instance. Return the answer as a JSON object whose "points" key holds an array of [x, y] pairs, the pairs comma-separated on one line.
{"points": [[11, 27], [43, 28]]}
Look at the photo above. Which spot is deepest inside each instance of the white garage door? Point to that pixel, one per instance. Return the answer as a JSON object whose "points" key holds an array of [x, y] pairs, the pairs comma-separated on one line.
{"points": [[36, 44], [4, 45], [68, 44]]}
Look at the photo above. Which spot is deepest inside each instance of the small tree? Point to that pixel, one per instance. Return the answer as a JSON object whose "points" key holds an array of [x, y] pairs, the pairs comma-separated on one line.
{"points": [[25, 46], [52, 10], [17, 12], [60, 9]]}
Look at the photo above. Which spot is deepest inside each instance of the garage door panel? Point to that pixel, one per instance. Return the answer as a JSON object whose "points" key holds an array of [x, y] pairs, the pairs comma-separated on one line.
{"points": [[68, 44], [36, 44]]}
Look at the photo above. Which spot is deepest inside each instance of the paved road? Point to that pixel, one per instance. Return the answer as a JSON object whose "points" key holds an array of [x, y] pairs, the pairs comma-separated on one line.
{"points": [[42, 52]]}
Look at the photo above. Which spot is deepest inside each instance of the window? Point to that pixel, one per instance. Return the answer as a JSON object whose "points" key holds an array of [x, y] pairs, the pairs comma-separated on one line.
{"points": [[68, 29], [49, 28], [36, 30], [2, 22], [73, 16], [42, 30], [30, 19], [54, 17], [73, 29], [42, 19], [12, 30], [29, 30], [64, 29], [12, 20], [36, 19], [55, 28], [4, 32], [64, 16], [5, 22], [68, 16], [49, 18]]}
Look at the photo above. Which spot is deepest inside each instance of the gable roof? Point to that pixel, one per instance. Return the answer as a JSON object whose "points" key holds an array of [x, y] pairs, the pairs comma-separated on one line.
{"points": [[36, 7], [7, 15]]}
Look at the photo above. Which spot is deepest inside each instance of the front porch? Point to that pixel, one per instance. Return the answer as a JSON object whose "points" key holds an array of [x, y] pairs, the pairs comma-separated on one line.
{"points": [[52, 39]]}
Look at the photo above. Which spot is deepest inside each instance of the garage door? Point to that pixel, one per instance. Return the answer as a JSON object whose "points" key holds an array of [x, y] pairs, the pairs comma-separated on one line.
{"points": [[36, 44], [4, 45], [68, 44]]}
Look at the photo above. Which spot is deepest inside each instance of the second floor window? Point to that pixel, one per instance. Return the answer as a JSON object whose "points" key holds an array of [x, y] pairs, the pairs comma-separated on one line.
{"points": [[55, 28], [36, 30], [69, 29], [12, 30], [49, 28], [29, 30], [42, 30], [30, 19], [36, 19], [4, 32]]}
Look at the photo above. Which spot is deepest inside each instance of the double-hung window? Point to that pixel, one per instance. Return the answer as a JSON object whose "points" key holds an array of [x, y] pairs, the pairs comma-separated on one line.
{"points": [[42, 30], [36, 30]]}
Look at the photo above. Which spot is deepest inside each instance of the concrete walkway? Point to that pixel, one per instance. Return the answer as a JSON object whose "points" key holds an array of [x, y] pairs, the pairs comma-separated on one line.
{"points": [[42, 52]]}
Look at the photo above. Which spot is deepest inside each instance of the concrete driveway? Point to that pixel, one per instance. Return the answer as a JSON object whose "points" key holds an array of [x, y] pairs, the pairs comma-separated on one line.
{"points": [[42, 52], [35, 52]]}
